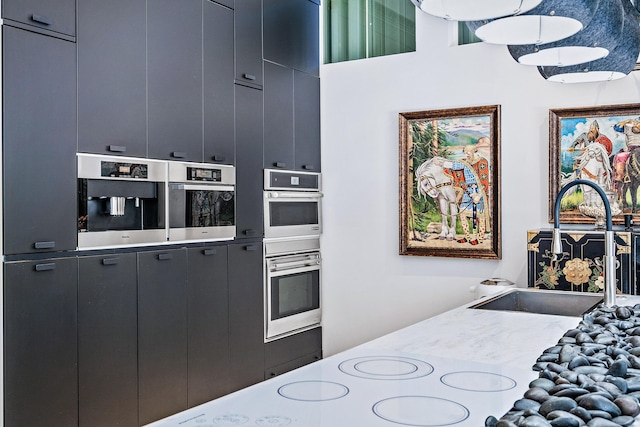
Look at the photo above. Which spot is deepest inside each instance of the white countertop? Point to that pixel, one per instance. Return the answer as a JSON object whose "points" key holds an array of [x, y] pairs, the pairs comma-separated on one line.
{"points": [[466, 364]]}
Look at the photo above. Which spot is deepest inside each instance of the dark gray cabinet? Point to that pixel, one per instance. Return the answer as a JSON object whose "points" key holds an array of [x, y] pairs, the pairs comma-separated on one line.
{"points": [[228, 3], [291, 119], [246, 318], [248, 42], [40, 343], [219, 135], [174, 64], [107, 341], [112, 92], [291, 34], [292, 352], [39, 125], [162, 333], [57, 16], [208, 314], [249, 172]]}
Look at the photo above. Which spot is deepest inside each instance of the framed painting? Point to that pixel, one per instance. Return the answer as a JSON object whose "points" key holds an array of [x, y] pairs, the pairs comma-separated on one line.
{"points": [[598, 144], [450, 183]]}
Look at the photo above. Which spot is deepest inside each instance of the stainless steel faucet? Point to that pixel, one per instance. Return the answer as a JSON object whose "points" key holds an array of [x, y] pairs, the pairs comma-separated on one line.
{"points": [[609, 248]]}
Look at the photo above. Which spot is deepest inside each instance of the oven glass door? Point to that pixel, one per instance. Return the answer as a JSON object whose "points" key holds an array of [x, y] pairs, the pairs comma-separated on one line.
{"points": [[292, 214], [293, 293], [201, 212]]}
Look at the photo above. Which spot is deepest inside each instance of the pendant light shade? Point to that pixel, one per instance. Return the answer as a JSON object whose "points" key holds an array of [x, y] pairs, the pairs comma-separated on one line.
{"points": [[620, 61], [550, 21], [593, 42], [473, 10]]}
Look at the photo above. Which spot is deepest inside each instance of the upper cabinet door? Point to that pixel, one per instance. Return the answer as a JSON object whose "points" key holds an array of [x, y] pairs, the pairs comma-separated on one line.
{"points": [[248, 38], [278, 116], [306, 94], [174, 63], [291, 34], [112, 93], [39, 142], [58, 16], [219, 135]]}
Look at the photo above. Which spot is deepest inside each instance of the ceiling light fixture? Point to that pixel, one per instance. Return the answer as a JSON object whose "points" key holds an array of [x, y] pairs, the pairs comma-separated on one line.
{"points": [[474, 10]]}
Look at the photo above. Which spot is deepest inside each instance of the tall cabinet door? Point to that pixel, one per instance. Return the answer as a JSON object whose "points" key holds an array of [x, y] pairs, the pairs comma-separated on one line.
{"points": [[107, 341], [58, 16], [39, 146], [40, 343], [208, 313], [248, 42], [174, 61], [306, 95], [278, 116], [249, 177], [162, 333], [112, 92], [246, 315], [219, 136]]}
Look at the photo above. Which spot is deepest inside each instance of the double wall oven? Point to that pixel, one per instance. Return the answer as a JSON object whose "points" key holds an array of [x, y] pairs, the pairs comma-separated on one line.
{"points": [[293, 223]]}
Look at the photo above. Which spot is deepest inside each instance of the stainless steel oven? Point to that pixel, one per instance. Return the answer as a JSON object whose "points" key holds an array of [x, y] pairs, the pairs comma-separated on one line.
{"points": [[292, 204], [292, 287], [201, 202]]}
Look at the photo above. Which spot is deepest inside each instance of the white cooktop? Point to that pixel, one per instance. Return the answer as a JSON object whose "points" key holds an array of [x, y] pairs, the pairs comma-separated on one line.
{"points": [[369, 388]]}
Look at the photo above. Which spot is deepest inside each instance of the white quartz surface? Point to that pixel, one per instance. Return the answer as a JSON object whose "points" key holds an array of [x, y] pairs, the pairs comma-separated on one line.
{"points": [[385, 382]]}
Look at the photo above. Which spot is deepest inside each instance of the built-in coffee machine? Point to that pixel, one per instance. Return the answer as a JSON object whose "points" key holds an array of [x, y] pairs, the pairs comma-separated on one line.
{"points": [[121, 201]]}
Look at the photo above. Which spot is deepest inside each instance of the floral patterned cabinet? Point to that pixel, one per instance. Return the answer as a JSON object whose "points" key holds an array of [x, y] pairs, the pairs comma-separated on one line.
{"points": [[581, 265]]}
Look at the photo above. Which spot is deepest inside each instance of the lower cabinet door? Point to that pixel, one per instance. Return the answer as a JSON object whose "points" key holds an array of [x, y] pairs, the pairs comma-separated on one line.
{"points": [[40, 343], [162, 333], [108, 341], [208, 309], [246, 315]]}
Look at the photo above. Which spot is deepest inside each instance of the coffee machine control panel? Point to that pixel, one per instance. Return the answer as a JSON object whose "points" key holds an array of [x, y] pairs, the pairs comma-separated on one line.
{"points": [[124, 170]]}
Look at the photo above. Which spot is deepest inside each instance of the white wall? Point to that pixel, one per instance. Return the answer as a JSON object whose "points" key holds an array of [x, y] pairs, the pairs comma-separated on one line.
{"points": [[369, 289]]}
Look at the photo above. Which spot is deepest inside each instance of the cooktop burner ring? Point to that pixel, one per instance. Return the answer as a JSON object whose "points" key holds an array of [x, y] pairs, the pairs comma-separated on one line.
{"points": [[386, 368], [313, 391], [478, 381], [421, 411]]}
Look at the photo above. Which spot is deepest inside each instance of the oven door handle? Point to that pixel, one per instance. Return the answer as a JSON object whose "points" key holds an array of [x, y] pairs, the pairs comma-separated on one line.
{"points": [[200, 187], [276, 266], [294, 195]]}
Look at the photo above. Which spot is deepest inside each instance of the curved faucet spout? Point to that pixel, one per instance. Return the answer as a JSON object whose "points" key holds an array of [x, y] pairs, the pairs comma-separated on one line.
{"points": [[609, 251]]}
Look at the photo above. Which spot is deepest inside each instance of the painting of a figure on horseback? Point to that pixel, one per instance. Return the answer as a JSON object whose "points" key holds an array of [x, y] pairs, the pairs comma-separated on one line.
{"points": [[602, 145], [449, 182]]}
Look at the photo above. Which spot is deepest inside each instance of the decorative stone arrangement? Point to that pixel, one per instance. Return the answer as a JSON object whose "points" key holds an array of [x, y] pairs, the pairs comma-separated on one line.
{"points": [[590, 378]]}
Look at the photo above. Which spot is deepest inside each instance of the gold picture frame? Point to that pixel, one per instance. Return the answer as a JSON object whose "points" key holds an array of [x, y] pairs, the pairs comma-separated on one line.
{"points": [[450, 183]]}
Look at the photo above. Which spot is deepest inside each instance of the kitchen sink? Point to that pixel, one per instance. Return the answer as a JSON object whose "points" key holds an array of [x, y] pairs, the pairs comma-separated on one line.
{"points": [[542, 302]]}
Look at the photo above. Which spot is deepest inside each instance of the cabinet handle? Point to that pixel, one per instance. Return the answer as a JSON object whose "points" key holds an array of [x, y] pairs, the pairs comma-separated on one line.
{"points": [[251, 248], [308, 167], [164, 257], [46, 267], [178, 154], [45, 245], [110, 261], [250, 232], [248, 76], [280, 165], [117, 148], [208, 252], [41, 19], [218, 158]]}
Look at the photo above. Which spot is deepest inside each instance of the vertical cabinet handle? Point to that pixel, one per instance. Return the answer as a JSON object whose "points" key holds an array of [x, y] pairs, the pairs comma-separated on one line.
{"points": [[178, 154], [45, 245], [164, 257], [117, 148], [41, 19], [46, 267], [110, 261], [209, 252]]}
